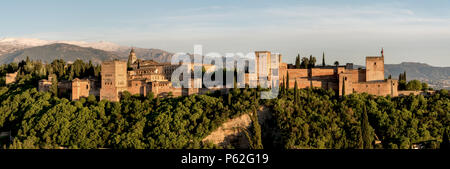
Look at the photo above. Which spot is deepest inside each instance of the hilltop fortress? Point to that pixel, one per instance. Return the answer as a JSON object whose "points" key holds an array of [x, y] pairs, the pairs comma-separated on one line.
{"points": [[144, 76], [344, 79]]}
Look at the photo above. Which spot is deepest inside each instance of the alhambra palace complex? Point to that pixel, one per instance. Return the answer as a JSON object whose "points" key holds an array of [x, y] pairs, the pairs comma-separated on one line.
{"points": [[144, 76]]}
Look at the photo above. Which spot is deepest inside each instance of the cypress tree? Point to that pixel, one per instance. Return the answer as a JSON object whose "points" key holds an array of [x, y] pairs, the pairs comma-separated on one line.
{"points": [[404, 76], [54, 86], [360, 139], [343, 86], [287, 81], [257, 130], [323, 59], [297, 62], [235, 88], [295, 92], [365, 130], [445, 144]]}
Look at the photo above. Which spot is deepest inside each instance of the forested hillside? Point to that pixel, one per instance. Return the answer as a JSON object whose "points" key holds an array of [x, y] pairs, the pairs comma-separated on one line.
{"points": [[316, 118], [40, 120], [301, 119]]}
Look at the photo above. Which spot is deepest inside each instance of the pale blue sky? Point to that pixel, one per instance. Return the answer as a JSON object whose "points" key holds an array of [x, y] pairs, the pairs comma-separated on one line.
{"points": [[347, 31]]}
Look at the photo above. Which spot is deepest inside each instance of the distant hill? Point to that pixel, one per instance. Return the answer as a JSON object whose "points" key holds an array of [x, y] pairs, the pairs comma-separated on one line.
{"points": [[12, 48], [48, 53], [437, 77], [157, 55]]}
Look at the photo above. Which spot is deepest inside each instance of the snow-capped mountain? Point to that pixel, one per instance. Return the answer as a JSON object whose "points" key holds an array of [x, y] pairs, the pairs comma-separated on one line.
{"points": [[22, 43], [15, 49], [18, 42]]}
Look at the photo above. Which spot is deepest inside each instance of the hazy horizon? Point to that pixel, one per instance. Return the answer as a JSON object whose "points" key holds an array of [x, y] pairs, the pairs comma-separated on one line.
{"points": [[347, 31]]}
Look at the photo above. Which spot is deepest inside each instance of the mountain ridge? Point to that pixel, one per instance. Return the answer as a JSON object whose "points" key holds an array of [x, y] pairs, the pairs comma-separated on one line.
{"points": [[436, 77], [68, 52], [10, 47]]}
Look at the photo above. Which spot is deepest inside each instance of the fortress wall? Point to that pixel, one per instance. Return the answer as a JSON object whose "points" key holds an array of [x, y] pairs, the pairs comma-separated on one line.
{"points": [[341, 70], [322, 72], [333, 85], [354, 75], [137, 87], [345, 83], [301, 83], [306, 83], [383, 88], [297, 73], [361, 75], [64, 87], [44, 85], [282, 71], [162, 89]]}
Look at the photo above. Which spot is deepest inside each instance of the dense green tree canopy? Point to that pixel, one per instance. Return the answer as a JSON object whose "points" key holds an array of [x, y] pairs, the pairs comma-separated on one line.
{"points": [[322, 120], [301, 118]]}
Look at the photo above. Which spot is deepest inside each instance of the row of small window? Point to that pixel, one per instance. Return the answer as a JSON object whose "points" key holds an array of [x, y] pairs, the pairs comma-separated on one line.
{"points": [[111, 83]]}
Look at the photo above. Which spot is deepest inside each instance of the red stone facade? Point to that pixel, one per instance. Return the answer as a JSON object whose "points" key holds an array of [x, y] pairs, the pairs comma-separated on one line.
{"points": [[141, 77], [84, 88], [114, 80], [375, 68], [345, 80]]}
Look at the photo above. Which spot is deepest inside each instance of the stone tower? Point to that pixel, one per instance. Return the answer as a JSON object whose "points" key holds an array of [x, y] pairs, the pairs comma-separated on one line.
{"points": [[114, 80], [375, 67], [263, 65], [132, 57]]}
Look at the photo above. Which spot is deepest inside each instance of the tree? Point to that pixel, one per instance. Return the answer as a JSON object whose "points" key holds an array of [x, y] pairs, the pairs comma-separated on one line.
{"points": [[287, 80], [230, 96], [254, 138], [295, 93], [323, 59], [414, 85], [305, 63], [54, 86], [336, 63], [425, 86], [312, 61], [235, 86], [365, 130], [297, 62], [402, 77], [401, 85], [445, 144]]}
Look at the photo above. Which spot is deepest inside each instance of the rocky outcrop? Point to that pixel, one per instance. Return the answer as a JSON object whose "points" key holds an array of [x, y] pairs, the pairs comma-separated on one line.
{"points": [[231, 132]]}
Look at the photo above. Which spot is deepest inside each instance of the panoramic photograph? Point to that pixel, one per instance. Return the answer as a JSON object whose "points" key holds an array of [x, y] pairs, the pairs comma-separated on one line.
{"points": [[209, 83]]}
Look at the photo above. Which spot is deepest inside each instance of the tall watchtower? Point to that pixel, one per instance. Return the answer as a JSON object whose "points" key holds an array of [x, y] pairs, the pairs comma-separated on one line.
{"points": [[114, 80], [263, 65], [131, 58], [375, 67]]}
